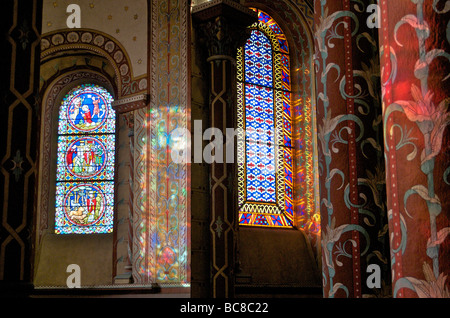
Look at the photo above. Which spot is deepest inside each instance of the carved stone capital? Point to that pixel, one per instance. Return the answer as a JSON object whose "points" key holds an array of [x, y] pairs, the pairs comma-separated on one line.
{"points": [[128, 104], [222, 26]]}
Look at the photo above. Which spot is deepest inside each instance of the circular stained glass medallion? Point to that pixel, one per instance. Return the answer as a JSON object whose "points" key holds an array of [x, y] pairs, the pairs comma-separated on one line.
{"points": [[85, 157], [84, 205], [87, 111]]}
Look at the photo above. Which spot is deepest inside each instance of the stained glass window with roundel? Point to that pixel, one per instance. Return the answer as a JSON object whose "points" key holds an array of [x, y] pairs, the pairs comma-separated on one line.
{"points": [[265, 158], [85, 162]]}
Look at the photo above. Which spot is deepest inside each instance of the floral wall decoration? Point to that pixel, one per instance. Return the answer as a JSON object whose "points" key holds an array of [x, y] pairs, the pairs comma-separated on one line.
{"points": [[415, 59], [350, 150]]}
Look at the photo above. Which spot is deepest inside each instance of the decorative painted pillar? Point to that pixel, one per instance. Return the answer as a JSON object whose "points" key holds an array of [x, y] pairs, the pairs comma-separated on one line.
{"points": [[415, 62], [350, 151], [126, 107], [161, 235], [19, 123], [222, 26], [130, 123]]}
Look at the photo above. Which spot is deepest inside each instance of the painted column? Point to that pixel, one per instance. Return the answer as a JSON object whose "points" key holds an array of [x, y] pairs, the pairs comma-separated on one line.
{"points": [[350, 151], [222, 25], [19, 100], [415, 62], [127, 107], [161, 213], [128, 267]]}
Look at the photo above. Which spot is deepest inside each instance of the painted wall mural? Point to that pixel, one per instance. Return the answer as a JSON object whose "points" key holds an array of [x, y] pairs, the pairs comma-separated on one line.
{"points": [[103, 45], [415, 59], [351, 160], [160, 241], [125, 21]]}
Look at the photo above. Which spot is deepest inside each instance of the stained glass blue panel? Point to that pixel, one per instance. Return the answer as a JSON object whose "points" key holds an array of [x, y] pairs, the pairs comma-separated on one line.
{"points": [[258, 60], [265, 165], [260, 147]]}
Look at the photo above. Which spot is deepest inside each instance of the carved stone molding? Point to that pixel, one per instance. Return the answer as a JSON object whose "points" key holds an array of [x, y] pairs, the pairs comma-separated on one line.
{"points": [[127, 104]]}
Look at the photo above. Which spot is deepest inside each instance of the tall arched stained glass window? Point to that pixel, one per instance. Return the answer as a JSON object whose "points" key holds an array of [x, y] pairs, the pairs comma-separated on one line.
{"points": [[85, 162], [265, 181]]}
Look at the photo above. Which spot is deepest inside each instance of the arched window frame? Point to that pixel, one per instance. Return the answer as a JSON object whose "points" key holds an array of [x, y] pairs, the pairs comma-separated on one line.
{"points": [[279, 214], [102, 181]]}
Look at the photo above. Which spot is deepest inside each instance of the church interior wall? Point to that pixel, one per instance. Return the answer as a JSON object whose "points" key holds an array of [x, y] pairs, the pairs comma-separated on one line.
{"points": [[102, 257], [366, 118]]}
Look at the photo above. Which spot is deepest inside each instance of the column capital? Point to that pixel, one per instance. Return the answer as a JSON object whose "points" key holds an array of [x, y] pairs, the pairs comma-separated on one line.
{"points": [[222, 25], [130, 103]]}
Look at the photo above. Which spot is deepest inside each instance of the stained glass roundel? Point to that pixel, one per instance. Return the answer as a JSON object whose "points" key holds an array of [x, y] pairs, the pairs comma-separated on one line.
{"points": [[84, 204], [85, 162], [87, 111], [85, 157]]}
